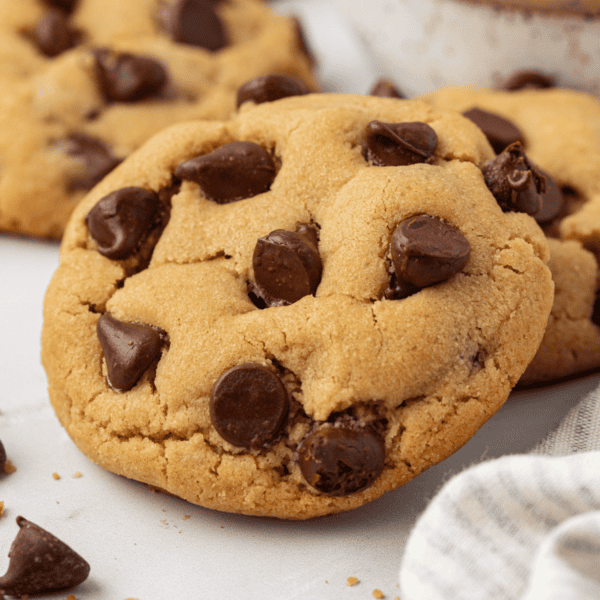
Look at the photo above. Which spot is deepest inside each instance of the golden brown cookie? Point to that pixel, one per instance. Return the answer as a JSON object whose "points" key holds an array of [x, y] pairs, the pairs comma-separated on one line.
{"points": [[294, 311], [560, 130], [90, 85]]}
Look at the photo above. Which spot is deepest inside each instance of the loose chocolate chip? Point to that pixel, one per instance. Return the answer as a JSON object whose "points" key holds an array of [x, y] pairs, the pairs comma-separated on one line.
{"points": [[232, 172], [528, 80], [196, 22], [499, 131], [384, 88], [552, 200], [128, 77], [129, 350], [66, 5], [53, 34], [425, 251], [121, 220], [98, 160], [2, 458], [287, 267], [248, 405], [398, 144], [40, 563], [514, 181], [269, 88], [302, 43], [339, 461]]}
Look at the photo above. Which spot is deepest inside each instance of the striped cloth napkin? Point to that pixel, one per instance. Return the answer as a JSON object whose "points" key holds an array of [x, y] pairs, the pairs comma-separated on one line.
{"points": [[523, 527]]}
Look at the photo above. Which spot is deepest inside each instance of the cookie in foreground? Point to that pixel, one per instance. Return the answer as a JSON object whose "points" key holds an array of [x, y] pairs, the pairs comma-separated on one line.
{"points": [[297, 310]]}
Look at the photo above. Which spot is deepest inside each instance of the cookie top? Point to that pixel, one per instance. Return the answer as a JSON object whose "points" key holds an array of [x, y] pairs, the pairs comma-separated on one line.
{"points": [[129, 71], [324, 280], [581, 7]]}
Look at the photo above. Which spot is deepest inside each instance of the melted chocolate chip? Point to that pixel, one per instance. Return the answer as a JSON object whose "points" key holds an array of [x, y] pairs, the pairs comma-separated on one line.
{"points": [[66, 5], [287, 267], [302, 43], [98, 160], [499, 131], [426, 251], [528, 80], [232, 172], [514, 181], [552, 200], [40, 563], [399, 144], [339, 461], [196, 22], [128, 77], [384, 88], [269, 88], [129, 350], [248, 405], [2, 458], [53, 35], [121, 220]]}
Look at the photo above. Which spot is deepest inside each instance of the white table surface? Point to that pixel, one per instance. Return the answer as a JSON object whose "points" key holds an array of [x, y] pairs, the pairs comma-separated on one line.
{"points": [[150, 546]]}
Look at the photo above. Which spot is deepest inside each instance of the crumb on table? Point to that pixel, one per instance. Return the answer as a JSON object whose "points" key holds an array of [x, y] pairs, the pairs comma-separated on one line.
{"points": [[56, 476], [352, 580], [378, 594], [1, 508], [77, 475], [9, 467]]}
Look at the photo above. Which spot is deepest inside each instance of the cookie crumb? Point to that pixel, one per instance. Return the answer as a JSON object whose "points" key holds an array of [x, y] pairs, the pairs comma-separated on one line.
{"points": [[186, 517], [1, 508], [71, 597], [352, 580], [57, 477], [77, 475], [9, 467], [378, 594]]}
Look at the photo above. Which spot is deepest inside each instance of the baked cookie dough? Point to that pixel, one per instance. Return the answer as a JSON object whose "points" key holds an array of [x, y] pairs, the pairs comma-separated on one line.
{"points": [[92, 85], [560, 130], [292, 312]]}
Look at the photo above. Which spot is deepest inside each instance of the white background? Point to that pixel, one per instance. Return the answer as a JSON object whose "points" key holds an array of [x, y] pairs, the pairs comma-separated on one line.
{"points": [[141, 544]]}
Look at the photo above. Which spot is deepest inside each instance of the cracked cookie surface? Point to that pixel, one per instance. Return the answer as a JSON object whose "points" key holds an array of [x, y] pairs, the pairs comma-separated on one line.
{"points": [[561, 134], [90, 85], [418, 305]]}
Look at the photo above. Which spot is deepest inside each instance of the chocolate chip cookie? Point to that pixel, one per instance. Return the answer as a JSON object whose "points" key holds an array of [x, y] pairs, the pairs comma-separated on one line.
{"points": [[88, 81], [560, 131], [294, 311]]}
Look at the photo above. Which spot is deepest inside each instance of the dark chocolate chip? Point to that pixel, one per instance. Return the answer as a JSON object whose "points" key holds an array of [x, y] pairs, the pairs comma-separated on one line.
{"points": [[248, 405], [398, 144], [128, 77], [287, 267], [515, 181], [269, 88], [53, 35], [2, 458], [121, 220], [129, 350], [98, 160], [196, 22], [339, 461], [499, 131], [384, 88], [66, 5], [552, 200], [41, 563], [528, 80], [425, 251], [596, 310], [232, 172], [302, 43]]}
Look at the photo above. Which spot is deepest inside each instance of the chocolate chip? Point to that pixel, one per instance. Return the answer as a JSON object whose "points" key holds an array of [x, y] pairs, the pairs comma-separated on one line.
{"points": [[2, 458], [398, 144], [528, 80], [287, 267], [53, 35], [232, 172], [514, 181], [40, 563], [129, 350], [248, 405], [269, 88], [302, 43], [499, 131], [128, 77], [98, 160], [425, 251], [552, 200], [121, 220], [66, 5], [196, 22], [339, 461], [384, 88]]}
